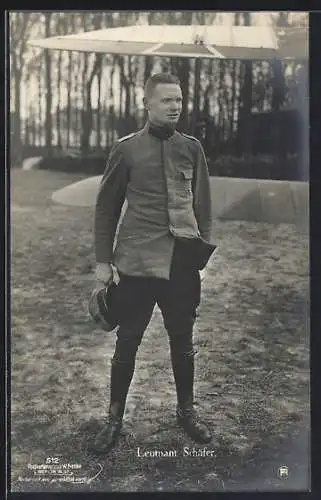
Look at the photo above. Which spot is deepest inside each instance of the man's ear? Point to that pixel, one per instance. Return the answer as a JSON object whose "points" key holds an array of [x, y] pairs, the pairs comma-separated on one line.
{"points": [[146, 105]]}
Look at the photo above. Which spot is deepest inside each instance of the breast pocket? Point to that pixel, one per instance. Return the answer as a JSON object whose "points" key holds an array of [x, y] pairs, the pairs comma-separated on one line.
{"points": [[184, 181]]}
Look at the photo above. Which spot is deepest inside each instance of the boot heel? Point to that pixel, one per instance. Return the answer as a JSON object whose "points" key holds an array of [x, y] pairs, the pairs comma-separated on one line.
{"points": [[193, 426]]}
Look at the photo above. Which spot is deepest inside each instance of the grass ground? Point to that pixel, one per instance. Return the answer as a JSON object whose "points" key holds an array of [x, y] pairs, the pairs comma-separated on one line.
{"points": [[252, 367]]}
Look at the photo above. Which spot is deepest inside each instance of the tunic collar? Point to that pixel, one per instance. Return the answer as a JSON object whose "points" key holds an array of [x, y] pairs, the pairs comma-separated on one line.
{"points": [[162, 133]]}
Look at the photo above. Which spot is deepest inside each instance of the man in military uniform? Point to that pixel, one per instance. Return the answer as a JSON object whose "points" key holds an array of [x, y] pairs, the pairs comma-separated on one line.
{"points": [[163, 242]]}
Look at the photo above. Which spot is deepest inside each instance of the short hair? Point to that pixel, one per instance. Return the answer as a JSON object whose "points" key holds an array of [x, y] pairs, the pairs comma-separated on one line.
{"points": [[157, 79]]}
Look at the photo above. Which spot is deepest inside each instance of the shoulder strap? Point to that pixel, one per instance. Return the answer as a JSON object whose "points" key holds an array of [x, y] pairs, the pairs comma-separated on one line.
{"points": [[126, 137], [190, 137]]}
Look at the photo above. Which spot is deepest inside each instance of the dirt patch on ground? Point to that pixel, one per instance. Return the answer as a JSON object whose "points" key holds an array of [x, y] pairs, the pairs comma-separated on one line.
{"points": [[252, 367]]}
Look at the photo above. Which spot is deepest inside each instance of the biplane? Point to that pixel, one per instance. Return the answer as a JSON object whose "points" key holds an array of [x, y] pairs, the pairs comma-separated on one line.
{"points": [[248, 199]]}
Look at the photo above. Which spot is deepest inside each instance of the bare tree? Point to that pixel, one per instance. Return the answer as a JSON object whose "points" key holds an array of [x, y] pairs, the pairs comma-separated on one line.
{"points": [[98, 22], [283, 19], [278, 76], [125, 83], [89, 73], [48, 129], [222, 84], [40, 92], [99, 103], [78, 73], [152, 17], [245, 115], [184, 76], [20, 25], [278, 95], [59, 28], [237, 21]]}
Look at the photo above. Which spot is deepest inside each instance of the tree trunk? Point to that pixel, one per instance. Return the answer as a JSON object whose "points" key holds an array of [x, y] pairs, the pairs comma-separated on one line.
{"points": [[77, 100], [87, 121], [33, 128], [59, 101], [69, 89], [16, 143], [26, 136], [183, 67], [208, 95], [69, 82], [221, 100], [278, 94], [83, 114], [277, 101], [148, 67], [283, 19], [195, 116], [238, 19], [151, 17], [130, 82], [121, 88], [133, 83], [125, 85], [40, 91], [135, 80], [233, 99], [303, 153], [200, 17], [47, 54], [99, 77], [247, 108], [97, 23], [245, 117], [111, 117]]}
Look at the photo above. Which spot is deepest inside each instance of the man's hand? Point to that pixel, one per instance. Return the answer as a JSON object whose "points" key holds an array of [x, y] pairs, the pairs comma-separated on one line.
{"points": [[203, 273], [104, 273]]}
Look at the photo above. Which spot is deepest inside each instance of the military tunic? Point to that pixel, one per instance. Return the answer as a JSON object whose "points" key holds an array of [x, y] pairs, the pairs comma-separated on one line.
{"points": [[167, 189]]}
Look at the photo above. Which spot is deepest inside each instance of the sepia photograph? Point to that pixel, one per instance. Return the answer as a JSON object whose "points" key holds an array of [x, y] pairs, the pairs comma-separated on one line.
{"points": [[159, 225]]}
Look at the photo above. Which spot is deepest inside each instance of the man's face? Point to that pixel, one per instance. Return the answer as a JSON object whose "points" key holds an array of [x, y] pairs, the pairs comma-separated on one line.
{"points": [[164, 105]]}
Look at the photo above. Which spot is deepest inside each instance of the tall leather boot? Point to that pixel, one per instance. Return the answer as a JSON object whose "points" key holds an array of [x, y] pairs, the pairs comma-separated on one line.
{"points": [[121, 376], [186, 415]]}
